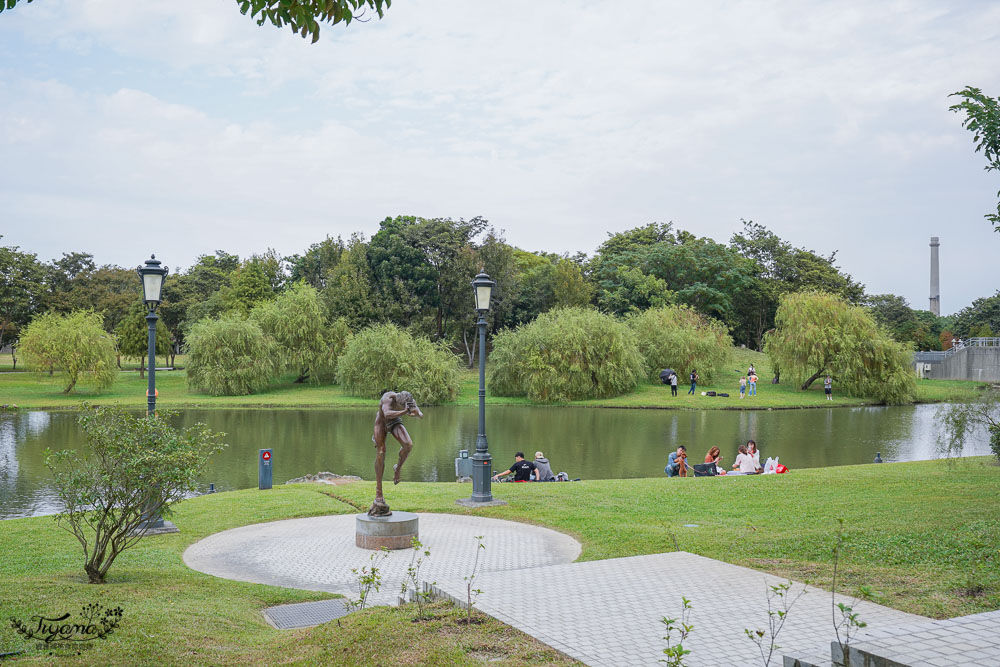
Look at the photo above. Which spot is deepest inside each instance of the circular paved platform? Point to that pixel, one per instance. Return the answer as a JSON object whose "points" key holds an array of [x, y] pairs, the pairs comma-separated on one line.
{"points": [[318, 553]]}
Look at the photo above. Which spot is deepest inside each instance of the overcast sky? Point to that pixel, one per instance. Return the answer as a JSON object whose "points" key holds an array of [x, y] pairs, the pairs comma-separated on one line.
{"points": [[182, 127]]}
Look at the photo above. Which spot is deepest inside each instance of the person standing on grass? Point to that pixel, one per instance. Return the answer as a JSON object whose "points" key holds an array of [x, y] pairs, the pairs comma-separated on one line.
{"points": [[828, 387], [673, 384], [743, 386], [753, 383], [694, 381]]}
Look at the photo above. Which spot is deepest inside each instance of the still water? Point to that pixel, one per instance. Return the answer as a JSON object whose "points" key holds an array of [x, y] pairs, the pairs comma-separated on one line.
{"points": [[591, 443]]}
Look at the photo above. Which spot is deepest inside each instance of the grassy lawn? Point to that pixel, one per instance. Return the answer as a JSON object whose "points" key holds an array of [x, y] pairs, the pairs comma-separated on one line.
{"points": [[924, 534], [174, 615], [41, 391]]}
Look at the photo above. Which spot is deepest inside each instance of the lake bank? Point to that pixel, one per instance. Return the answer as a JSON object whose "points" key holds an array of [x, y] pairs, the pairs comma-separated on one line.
{"points": [[922, 534]]}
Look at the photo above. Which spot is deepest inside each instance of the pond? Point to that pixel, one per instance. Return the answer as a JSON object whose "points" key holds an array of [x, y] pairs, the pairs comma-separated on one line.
{"points": [[590, 443]]}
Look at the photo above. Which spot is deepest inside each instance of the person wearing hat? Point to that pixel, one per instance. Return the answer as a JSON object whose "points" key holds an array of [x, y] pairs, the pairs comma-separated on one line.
{"points": [[543, 471]]}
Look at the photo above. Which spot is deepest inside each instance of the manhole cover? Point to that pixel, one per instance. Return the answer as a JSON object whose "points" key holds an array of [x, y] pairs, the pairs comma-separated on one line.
{"points": [[305, 614]]}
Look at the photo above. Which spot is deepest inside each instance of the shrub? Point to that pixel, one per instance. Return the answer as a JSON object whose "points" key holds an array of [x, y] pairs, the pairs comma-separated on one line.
{"points": [[384, 357], [230, 356], [131, 468], [564, 355], [680, 338], [75, 344]]}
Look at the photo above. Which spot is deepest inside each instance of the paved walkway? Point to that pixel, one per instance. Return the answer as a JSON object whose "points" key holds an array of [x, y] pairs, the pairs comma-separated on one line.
{"points": [[608, 612], [600, 612], [317, 553]]}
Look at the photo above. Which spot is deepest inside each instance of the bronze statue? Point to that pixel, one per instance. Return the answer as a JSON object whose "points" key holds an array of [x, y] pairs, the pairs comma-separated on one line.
{"points": [[389, 419]]}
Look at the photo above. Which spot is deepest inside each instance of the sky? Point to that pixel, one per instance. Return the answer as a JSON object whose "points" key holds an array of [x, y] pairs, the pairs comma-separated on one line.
{"points": [[182, 127]]}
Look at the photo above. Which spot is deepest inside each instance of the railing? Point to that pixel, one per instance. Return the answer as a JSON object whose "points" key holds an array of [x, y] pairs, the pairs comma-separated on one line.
{"points": [[936, 356]]}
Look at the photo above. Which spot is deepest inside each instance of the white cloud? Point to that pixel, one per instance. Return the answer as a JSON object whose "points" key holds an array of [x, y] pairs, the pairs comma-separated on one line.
{"points": [[559, 121]]}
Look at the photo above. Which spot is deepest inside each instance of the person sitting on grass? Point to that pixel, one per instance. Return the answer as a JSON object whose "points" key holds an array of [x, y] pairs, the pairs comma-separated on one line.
{"points": [[521, 469], [675, 460], [543, 471], [715, 456], [744, 462]]}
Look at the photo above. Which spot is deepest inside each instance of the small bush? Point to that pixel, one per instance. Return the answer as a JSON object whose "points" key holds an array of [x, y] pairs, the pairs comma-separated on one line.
{"points": [[230, 356], [680, 338], [565, 355], [385, 357]]}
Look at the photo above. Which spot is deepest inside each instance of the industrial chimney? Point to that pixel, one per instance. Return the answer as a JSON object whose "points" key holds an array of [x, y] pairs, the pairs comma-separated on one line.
{"points": [[935, 278]]}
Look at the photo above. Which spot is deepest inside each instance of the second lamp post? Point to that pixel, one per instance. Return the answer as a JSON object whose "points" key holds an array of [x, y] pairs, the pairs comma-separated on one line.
{"points": [[482, 462]]}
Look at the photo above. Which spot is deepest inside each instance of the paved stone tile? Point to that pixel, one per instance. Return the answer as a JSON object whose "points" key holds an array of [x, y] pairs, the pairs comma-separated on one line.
{"points": [[318, 553], [618, 603]]}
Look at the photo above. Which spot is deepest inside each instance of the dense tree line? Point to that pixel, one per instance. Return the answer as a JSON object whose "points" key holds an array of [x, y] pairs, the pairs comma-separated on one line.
{"points": [[415, 273]]}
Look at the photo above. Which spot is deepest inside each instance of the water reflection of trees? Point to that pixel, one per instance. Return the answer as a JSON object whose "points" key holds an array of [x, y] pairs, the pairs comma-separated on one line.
{"points": [[585, 442]]}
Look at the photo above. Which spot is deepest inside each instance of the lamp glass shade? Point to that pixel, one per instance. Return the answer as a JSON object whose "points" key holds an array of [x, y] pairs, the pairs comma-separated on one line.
{"points": [[152, 275], [483, 288], [152, 284]]}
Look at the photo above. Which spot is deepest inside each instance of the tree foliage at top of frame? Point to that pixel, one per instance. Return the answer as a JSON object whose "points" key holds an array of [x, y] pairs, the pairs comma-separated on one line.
{"points": [[302, 16], [982, 118]]}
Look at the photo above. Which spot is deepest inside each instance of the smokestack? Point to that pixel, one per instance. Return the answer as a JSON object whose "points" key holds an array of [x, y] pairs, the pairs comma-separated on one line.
{"points": [[935, 278]]}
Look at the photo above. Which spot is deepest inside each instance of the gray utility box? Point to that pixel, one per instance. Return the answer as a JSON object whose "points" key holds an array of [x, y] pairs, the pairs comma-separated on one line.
{"points": [[463, 464]]}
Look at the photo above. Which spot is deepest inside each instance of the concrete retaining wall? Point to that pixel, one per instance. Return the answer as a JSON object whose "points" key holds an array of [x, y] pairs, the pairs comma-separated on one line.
{"points": [[970, 363]]}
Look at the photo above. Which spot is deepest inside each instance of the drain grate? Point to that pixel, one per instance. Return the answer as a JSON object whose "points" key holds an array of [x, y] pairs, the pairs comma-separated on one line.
{"points": [[305, 614]]}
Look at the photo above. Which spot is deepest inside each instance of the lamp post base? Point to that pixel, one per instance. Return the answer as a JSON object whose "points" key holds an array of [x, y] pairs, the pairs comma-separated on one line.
{"points": [[163, 528], [469, 502]]}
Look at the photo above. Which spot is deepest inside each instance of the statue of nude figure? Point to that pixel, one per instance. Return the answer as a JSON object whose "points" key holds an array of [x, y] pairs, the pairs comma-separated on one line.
{"points": [[389, 419]]}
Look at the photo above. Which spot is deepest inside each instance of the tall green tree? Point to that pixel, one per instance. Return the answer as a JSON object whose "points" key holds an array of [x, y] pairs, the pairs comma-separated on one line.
{"points": [[315, 264], [819, 333], [133, 337], [22, 290], [778, 269], [982, 118], [983, 312], [75, 344], [349, 293]]}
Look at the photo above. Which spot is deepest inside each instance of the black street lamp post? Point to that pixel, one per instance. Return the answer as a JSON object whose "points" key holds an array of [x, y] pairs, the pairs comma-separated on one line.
{"points": [[152, 275], [482, 462]]}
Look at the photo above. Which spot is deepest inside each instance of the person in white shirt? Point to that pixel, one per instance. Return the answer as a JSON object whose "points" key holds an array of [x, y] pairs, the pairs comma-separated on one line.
{"points": [[752, 451], [744, 462]]}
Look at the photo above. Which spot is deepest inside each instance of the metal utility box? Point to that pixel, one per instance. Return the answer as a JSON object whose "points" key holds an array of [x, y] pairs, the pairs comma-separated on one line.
{"points": [[463, 464], [264, 469]]}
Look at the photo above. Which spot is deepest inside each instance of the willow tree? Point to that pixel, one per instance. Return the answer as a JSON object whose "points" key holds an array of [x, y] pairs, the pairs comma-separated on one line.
{"points": [[296, 322], [564, 355], [75, 344], [384, 357], [230, 356], [818, 333], [680, 338]]}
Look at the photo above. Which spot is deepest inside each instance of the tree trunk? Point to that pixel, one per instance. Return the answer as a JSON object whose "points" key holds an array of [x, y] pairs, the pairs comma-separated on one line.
{"points": [[303, 376], [70, 387], [142, 367], [813, 378], [118, 360], [471, 353], [93, 574]]}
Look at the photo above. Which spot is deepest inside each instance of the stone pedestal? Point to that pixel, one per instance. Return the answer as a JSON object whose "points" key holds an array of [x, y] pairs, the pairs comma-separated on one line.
{"points": [[395, 531]]}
